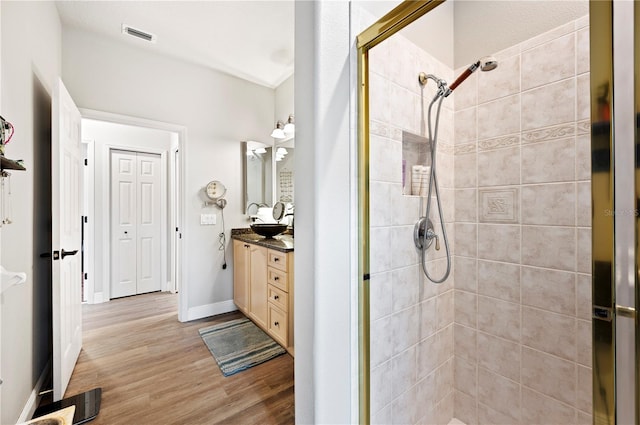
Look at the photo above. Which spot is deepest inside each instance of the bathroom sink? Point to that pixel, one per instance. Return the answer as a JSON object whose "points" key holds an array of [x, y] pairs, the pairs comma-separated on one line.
{"points": [[268, 230]]}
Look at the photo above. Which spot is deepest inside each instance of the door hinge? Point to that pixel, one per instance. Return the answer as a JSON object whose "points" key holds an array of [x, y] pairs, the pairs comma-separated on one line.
{"points": [[86, 219], [177, 230], [86, 276], [86, 161]]}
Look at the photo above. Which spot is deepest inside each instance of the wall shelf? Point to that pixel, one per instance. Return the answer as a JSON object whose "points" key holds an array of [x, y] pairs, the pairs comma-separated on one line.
{"points": [[10, 164]]}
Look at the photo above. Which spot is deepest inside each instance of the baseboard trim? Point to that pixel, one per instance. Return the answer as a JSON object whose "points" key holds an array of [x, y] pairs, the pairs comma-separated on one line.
{"points": [[32, 401], [98, 298], [210, 310]]}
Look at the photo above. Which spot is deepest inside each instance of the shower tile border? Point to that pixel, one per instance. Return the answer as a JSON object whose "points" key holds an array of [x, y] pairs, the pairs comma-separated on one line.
{"points": [[549, 133], [499, 142]]}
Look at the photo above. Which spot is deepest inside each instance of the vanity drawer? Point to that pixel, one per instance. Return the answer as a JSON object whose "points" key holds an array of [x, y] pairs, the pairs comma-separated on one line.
{"points": [[277, 278], [277, 259], [278, 324], [278, 298]]}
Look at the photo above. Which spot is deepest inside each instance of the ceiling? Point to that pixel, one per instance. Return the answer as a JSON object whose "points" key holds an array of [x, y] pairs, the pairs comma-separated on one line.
{"points": [[252, 40]]}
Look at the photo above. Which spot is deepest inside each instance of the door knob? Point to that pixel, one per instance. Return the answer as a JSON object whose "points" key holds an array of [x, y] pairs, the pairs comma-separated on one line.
{"points": [[64, 253]]}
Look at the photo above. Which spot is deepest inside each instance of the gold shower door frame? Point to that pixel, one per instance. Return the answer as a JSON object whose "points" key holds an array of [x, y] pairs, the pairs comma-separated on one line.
{"points": [[601, 27]]}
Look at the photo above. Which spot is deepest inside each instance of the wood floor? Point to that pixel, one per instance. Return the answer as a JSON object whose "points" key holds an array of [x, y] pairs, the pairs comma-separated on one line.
{"points": [[156, 370]]}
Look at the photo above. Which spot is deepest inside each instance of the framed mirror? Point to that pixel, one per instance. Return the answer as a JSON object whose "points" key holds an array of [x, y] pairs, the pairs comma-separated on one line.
{"points": [[257, 164]]}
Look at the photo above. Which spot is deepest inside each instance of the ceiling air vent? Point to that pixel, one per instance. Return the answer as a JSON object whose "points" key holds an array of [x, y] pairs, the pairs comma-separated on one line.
{"points": [[126, 29]]}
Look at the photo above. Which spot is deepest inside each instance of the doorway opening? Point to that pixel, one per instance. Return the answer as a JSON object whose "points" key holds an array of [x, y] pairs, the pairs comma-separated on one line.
{"points": [[133, 185]]}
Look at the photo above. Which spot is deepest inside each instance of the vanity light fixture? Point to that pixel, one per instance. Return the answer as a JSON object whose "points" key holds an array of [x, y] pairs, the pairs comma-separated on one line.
{"points": [[278, 132], [289, 127], [260, 150]]}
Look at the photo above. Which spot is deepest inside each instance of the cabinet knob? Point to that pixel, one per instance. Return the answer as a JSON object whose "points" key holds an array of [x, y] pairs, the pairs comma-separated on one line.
{"points": [[276, 259], [246, 246], [276, 324], [276, 278], [276, 297]]}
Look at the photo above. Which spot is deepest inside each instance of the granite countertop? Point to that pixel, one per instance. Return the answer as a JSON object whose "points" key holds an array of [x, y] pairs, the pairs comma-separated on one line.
{"points": [[283, 243]]}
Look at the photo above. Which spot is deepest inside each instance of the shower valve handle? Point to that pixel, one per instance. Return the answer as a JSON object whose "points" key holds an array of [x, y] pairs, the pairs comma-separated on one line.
{"points": [[437, 243]]}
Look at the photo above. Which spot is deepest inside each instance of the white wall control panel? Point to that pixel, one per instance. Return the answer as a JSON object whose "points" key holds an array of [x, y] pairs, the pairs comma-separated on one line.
{"points": [[207, 219]]}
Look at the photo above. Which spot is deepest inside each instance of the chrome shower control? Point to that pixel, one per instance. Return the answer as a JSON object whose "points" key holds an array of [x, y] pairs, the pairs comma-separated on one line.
{"points": [[422, 230]]}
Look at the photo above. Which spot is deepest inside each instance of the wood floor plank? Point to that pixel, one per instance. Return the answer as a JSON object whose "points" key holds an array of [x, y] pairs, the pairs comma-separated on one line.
{"points": [[156, 370]]}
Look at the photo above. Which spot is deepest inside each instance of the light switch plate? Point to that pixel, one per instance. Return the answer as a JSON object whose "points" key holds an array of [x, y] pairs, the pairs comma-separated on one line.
{"points": [[207, 219]]}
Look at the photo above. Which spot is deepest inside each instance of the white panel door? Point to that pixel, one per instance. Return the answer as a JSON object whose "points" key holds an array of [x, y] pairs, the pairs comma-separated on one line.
{"points": [[135, 223], [66, 184], [123, 224], [148, 222]]}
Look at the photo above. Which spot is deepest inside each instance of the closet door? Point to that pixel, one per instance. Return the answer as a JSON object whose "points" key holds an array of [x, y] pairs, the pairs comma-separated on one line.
{"points": [[123, 224], [148, 222], [135, 223]]}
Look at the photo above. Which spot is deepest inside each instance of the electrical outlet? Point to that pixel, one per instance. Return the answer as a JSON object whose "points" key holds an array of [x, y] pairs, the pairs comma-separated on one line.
{"points": [[207, 219]]}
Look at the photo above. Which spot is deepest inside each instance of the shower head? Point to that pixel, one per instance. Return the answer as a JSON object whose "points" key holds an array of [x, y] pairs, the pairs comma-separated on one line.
{"points": [[486, 63]]}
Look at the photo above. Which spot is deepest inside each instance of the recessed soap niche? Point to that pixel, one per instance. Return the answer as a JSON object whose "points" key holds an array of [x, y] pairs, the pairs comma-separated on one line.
{"points": [[416, 164]]}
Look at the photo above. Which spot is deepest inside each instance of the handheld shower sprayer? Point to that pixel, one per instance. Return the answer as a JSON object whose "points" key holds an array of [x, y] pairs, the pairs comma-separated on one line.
{"points": [[424, 230]]}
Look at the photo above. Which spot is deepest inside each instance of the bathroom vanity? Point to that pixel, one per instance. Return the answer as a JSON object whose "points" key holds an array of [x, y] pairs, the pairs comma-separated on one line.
{"points": [[263, 282]]}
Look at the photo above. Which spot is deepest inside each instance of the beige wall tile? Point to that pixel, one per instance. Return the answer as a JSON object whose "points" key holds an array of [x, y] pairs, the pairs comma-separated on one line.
{"points": [[499, 318], [405, 288], [547, 36], [381, 341], [582, 51], [445, 345], [465, 376], [584, 339], [540, 409], [486, 415], [379, 108], [549, 62], [465, 274], [426, 361], [465, 203], [549, 105], [499, 355], [381, 391], [552, 247], [502, 81], [405, 408], [584, 419], [550, 290], [549, 375], [445, 309], [379, 197], [465, 308], [428, 318], [380, 260], [465, 343], [583, 290], [466, 95], [465, 239], [465, 409], [382, 417], [403, 209], [444, 379], [444, 409], [465, 174], [549, 332], [584, 250], [499, 393], [426, 390], [549, 204], [465, 126], [385, 156], [403, 251], [583, 94], [550, 161], [499, 280], [585, 389], [405, 333], [583, 157], [583, 216], [380, 303], [499, 117], [404, 371], [402, 112], [499, 242], [499, 167]]}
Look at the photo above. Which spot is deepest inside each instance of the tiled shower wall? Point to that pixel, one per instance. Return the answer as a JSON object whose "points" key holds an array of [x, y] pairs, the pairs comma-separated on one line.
{"points": [[412, 331], [523, 235]]}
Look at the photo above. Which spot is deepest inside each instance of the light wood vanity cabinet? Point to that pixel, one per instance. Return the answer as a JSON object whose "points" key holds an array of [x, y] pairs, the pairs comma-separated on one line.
{"points": [[263, 289]]}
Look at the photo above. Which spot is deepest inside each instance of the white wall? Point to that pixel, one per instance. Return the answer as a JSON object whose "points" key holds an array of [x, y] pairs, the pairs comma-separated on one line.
{"points": [[30, 66], [324, 166], [218, 110], [284, 100]]}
